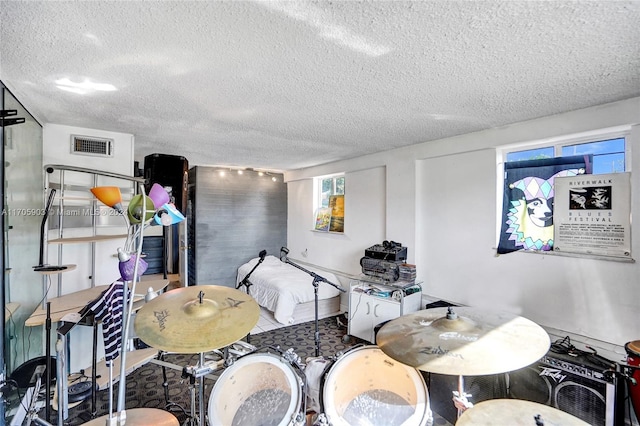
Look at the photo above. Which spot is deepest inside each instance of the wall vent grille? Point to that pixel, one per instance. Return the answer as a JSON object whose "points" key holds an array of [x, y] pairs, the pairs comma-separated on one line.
{"points": [[97, 147]]}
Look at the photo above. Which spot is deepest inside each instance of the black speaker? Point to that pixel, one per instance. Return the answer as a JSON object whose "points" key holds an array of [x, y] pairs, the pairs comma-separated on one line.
{"points": [[571, 384], [168, 170]]}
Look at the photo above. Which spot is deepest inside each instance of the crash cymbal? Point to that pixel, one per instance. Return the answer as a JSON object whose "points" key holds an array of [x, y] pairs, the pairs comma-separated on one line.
{"points": [[141, 417], [463, 341], [515, 412], [196, 319]]}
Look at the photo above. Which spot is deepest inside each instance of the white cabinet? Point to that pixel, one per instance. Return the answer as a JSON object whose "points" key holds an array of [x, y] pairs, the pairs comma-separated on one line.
{"points": [[372, 303]]}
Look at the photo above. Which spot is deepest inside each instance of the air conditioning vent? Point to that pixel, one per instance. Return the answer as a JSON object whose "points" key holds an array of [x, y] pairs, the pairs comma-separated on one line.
{"points": [[97, 147]]}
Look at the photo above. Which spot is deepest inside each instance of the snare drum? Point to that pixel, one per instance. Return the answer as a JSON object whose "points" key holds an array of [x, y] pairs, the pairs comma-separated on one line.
{"points": [[258, 389], [633, 359], [367, 387]]}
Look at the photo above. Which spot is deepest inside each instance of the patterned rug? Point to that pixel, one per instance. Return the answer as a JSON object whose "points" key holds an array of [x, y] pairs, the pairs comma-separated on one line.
{"points": [[155, 386]]}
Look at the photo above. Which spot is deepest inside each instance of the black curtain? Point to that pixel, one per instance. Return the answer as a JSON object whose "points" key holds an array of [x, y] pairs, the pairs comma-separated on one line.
{"points": [[527, 212]]}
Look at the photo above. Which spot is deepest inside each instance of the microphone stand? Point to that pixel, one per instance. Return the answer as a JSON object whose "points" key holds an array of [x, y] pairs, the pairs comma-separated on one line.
{"points": [[245, 281], [316, 280]]}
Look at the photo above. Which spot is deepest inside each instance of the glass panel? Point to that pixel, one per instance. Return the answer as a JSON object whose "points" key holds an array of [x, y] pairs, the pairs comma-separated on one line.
{"points": [[531, 154], [608, 156], [611, 163], [326, 189], [23, 205], [340, 185]]}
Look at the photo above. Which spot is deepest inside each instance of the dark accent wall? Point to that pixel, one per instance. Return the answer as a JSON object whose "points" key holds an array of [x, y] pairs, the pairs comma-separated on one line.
{"points": [[231, 219]]}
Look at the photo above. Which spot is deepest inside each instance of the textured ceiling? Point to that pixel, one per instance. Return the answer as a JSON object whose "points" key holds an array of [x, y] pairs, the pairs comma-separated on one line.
{"points": [[286, 85]]}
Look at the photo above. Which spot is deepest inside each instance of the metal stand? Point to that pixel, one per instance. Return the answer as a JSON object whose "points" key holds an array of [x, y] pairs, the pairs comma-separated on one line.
{"points": [[198, 372], [460, 398], [245, 281], [316, 280]]}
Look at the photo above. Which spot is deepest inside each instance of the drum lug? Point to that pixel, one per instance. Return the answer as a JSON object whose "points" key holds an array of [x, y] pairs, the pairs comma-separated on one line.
{"points": [[321, 420]]}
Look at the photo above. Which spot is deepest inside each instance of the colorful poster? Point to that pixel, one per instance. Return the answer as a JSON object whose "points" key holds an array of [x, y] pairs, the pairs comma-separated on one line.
{"points": [[336, 204], [323, 219], [593, 215], [528, 201]]}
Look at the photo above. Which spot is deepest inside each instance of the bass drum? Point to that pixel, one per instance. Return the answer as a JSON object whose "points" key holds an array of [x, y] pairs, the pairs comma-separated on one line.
{"points": [[257, 390], [367, 387]]}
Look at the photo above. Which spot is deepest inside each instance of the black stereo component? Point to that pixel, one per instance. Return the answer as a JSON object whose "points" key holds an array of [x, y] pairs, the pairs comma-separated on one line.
{"points": [[388, 271], [569, 383], [388, 250]]}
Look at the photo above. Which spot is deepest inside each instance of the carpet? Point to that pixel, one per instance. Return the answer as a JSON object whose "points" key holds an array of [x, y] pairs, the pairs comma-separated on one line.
{"points": [[151, 387]]}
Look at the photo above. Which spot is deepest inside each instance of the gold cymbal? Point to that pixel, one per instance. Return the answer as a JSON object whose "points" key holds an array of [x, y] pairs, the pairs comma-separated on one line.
{"points": [[468, 342], [141, 417], [515, 412], [196, 319]]}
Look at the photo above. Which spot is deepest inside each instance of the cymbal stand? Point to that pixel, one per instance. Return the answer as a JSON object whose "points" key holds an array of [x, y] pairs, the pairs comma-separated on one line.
{"points": [[198, 372], [460, 398]]}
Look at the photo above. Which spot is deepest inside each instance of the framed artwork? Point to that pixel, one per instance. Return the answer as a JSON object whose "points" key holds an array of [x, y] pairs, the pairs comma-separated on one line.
{"points": [[323, 219], [336, 204]]}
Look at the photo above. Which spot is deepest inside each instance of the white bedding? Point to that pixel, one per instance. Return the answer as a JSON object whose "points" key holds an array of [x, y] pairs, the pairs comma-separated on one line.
{"points": [[279, 287]]}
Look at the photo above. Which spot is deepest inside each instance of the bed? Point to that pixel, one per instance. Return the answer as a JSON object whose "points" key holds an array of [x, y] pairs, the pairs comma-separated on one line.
{"points": [[288, 292]]}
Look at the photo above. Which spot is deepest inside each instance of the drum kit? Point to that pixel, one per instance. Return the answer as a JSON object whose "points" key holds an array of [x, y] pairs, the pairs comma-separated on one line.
{"points": [[365, 385]]}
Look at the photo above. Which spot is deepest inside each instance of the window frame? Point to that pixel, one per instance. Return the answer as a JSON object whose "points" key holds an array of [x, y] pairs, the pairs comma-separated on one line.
{"points": [[557, 142], [317, 195]]}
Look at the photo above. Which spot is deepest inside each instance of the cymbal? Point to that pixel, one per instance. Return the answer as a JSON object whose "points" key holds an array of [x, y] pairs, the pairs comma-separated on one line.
{"points": [[470, 342], [196, 319], [141, 417], [515, 412]]}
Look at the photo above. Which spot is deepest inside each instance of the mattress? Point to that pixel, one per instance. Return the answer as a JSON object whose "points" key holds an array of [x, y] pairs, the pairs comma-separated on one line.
{"points": [[280, 287]]}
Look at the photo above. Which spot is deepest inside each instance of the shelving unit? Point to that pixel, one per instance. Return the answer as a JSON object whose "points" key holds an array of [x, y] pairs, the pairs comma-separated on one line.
{"points": [[88, 232], [372, 302]]}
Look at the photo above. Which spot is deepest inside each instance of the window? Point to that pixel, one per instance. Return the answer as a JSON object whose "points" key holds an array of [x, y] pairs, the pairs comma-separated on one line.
{"points": [[329, 204], [608, 155], [333, 185], [531, 219]]}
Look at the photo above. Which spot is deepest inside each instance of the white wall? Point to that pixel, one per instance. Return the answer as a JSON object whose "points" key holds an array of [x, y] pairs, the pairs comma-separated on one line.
{"points": [[366, 199], [441, 202], [56, 149]]}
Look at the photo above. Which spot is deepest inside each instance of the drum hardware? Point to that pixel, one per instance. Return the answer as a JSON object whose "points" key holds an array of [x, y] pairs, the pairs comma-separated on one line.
{"points": [[317, 279]]}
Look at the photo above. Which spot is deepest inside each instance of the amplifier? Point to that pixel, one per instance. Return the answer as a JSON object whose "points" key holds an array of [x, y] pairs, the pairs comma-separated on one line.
{"points": [[389, 271], [571, 384], [393, 252]]}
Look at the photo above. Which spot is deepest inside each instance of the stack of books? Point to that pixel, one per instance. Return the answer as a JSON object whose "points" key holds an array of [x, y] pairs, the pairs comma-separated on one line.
{"points": [[407, 272]]}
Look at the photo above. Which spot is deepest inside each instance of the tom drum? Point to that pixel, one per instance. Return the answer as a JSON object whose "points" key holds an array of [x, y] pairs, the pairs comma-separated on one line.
{"points": [[633, 359], [366, 387], [257, 390]]}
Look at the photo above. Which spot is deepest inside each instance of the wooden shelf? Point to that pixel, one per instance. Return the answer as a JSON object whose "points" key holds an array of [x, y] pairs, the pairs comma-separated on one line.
{"points": [[88, 239], [74, 302]]}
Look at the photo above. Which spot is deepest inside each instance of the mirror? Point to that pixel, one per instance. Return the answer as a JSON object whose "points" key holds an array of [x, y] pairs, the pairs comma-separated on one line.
{"points": [[22, 210]]}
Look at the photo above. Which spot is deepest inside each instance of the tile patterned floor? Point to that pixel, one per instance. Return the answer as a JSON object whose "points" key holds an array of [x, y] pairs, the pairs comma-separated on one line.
{"points": [[267, 322]]}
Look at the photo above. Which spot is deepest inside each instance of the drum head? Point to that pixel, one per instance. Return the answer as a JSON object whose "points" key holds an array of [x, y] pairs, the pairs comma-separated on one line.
{"points": [[366, 386], [257, 390]]}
